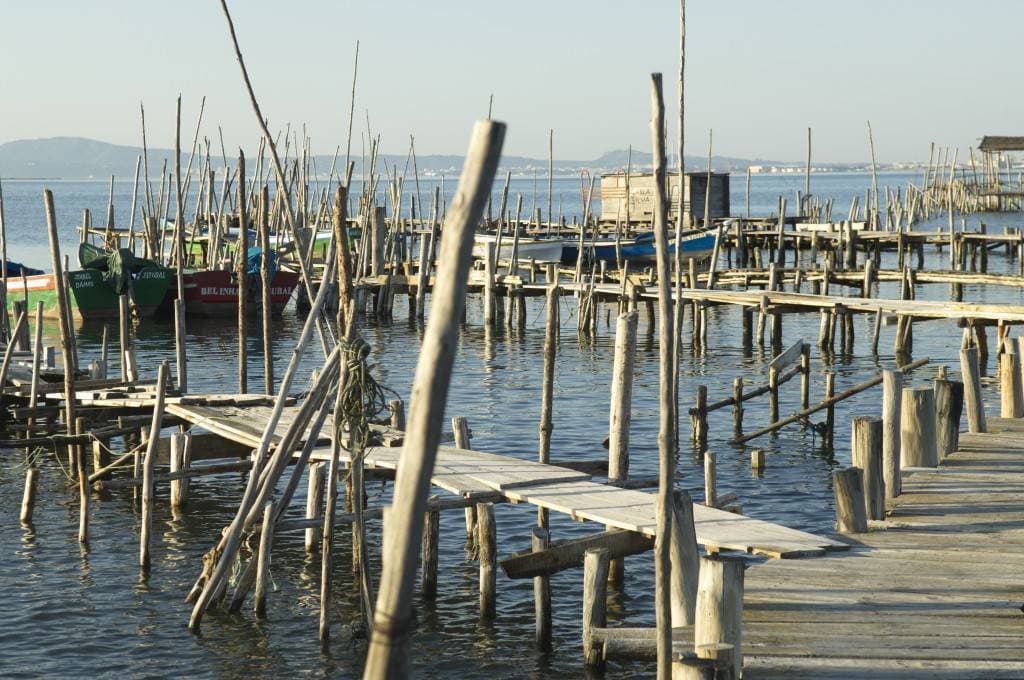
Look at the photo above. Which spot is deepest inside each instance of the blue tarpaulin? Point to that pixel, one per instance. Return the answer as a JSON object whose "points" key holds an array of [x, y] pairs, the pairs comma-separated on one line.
{"points": [[17, 269], [254, 257]]}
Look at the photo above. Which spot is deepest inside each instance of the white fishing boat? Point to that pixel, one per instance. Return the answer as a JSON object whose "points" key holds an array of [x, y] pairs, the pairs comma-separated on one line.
{"points": [[529, 247]]}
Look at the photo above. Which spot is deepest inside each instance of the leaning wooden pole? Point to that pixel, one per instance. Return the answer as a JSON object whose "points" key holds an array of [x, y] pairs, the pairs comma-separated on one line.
{"points": [[242, 262], [66, 337], [388, 655], [179, 262], [666, 461]]}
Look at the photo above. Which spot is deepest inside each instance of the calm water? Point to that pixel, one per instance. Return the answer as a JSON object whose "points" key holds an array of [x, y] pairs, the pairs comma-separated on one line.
{"points": [[72, 612]]}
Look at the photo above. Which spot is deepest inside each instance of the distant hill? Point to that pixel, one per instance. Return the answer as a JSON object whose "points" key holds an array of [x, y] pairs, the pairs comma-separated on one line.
{"points": [[81, 158]]}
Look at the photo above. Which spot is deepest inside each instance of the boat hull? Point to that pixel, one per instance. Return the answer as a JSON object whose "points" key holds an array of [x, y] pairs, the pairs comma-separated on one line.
{"points": [[642, 250], [90, 296], [215, 293], [40, 288], [541, 250]]}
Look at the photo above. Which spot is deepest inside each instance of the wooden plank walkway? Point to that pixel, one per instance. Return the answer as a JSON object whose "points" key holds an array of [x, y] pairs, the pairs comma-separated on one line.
{"points": [[937, 593], [476, 473]]}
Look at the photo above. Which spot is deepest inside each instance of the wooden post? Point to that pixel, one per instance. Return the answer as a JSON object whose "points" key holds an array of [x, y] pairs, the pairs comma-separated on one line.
{"points": [[830, 411], [1011, 395], [397, 409], [82, 469], [719, 616], [892, 397], [180, 461], [547, 383], [685, 561], [488, 545], [737, 406], [263, 233], [316, 476], [700, 431], [148, 485], [621, 413], [28, 499], [595, 592], [805, 376], [428, 575], [666, 345], [490, 301], [949, 404], [710, 480], [387, 656], [542, 593], [917, 427], [66, 335], [124, 337], [773, 394], [848, 485], [757, 460], [241, 275], [259, 597], [622, 396], [460, 428], [972, 390], [867, 455]]}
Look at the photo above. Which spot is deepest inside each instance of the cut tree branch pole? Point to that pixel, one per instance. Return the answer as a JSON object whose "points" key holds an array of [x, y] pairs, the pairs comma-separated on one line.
{"points": [[666, 461], [388, 655]]}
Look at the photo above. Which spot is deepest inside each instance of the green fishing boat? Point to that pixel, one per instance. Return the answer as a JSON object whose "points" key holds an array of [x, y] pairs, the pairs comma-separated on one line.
{"points": [[106, 275], [37, 288]]}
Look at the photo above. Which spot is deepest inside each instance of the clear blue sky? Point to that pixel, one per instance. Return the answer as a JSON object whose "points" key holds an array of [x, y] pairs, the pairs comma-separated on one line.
{"points": [[758, 71]]}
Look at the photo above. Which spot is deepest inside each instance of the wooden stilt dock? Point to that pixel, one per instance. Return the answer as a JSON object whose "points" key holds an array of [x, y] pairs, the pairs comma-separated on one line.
{"points": [[929, 592]]}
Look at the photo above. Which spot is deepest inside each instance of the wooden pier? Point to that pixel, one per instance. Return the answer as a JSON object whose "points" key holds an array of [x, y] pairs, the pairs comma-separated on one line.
{"points": [[931, 591]]}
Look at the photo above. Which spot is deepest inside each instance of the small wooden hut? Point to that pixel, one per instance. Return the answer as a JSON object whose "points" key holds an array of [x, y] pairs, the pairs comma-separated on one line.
{"points": [[641, 196]]}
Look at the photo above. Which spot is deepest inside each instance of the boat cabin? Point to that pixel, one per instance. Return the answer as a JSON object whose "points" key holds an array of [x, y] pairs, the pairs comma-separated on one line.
{"points": [[641, 196]]}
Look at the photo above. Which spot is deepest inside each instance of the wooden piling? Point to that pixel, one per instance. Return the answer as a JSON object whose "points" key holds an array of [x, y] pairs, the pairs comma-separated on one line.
{"points": [[124, 339], [710, 480], [972, 390], [917, 428], [867, 455], [685, 561], [595, 593], [66, 335], [259, 597], [315, 478], [949, 404], [540, 541], [1011, 395], [848, 485], [830, 411], [487, 544], [622, 396], [428, 568], [28, 499], [180, 460], [149, 462], [82, 472], [719, 617], [892, 398], [460, 428]]}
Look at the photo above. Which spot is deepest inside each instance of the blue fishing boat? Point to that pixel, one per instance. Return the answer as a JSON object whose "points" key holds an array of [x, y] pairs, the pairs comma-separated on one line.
{"points": [[18, 269], [696, 244]]}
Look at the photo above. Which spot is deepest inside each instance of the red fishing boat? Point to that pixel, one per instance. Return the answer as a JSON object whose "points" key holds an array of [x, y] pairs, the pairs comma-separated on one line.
{"points": [[214, 292]]}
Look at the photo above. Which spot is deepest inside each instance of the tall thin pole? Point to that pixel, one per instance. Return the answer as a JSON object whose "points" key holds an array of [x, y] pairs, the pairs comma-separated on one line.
{"points": [[807, 178], [874, 180], [551, 166], [678, 325], [388, 655], [666, 462], [179, 259]]}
